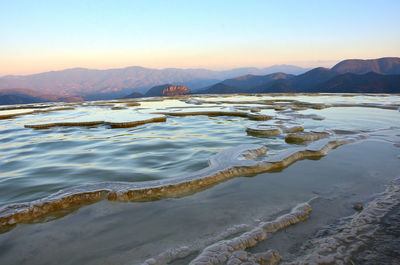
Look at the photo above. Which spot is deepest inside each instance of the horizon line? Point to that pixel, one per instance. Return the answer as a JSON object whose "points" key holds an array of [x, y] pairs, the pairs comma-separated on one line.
{"points": [[312, 65], [333, 62]]}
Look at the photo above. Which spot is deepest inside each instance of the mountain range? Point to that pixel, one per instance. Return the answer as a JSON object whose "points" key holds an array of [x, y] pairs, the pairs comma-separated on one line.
{"points": [[389, 66], [92, 84], [348, 76]]}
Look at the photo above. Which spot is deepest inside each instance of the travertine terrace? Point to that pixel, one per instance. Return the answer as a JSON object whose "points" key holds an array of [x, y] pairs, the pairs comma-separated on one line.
{"points": [[160, 151]]}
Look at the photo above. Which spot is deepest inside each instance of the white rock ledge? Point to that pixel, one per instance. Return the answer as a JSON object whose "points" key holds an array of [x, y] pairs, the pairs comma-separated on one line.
{"points": [[115, 119]]}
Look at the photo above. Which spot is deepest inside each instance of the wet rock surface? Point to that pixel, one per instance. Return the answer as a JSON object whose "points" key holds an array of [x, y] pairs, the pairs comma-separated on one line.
{"points": [[266, 130], [384, 247], [233, 249], [364, 236]]}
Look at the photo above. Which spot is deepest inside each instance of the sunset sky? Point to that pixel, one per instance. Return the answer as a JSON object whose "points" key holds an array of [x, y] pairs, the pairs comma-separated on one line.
{"points": [[39, 36]]}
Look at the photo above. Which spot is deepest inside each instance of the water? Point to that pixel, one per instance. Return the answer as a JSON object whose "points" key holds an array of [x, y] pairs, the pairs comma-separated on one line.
{"points": [[37, 163]]}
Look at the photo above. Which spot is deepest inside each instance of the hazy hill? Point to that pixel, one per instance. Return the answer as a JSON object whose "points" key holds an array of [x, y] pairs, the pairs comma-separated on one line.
{"points": [[291, 84], [29, 93], [22, 96], [134, 95], [311, 78], [243, 84], [251, 81], [389, 65], [220, 88], [9, 99]]}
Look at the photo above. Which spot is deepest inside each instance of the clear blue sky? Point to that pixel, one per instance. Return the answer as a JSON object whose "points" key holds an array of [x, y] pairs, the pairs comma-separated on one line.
{"points": [[50, 35]]}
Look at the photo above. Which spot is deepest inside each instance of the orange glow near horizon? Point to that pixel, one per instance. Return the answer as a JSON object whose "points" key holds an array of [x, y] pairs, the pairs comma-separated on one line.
{"points": [[218, 59], [40, 36]]}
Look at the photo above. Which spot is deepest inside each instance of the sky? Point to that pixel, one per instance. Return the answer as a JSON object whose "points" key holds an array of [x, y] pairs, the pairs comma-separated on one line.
{"points": [[38, 36]]}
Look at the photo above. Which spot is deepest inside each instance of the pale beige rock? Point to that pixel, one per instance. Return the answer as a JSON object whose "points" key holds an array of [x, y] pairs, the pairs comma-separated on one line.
{"points": [[300, 137], [114, 119], [266, 130], [251, 116]]}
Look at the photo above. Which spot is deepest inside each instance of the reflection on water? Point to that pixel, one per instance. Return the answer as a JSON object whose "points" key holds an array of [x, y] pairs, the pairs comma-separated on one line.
{"points": [[60, 157], [37, 163]]}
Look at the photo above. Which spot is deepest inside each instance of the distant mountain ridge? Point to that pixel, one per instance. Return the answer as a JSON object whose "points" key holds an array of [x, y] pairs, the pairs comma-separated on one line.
{"points": [[243, 84], [388, 66], [349, 76], [115, 83], [354, 83]]}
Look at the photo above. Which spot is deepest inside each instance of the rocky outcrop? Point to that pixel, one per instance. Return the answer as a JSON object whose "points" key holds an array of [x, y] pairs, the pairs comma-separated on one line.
{"points": [[167, 90]]}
